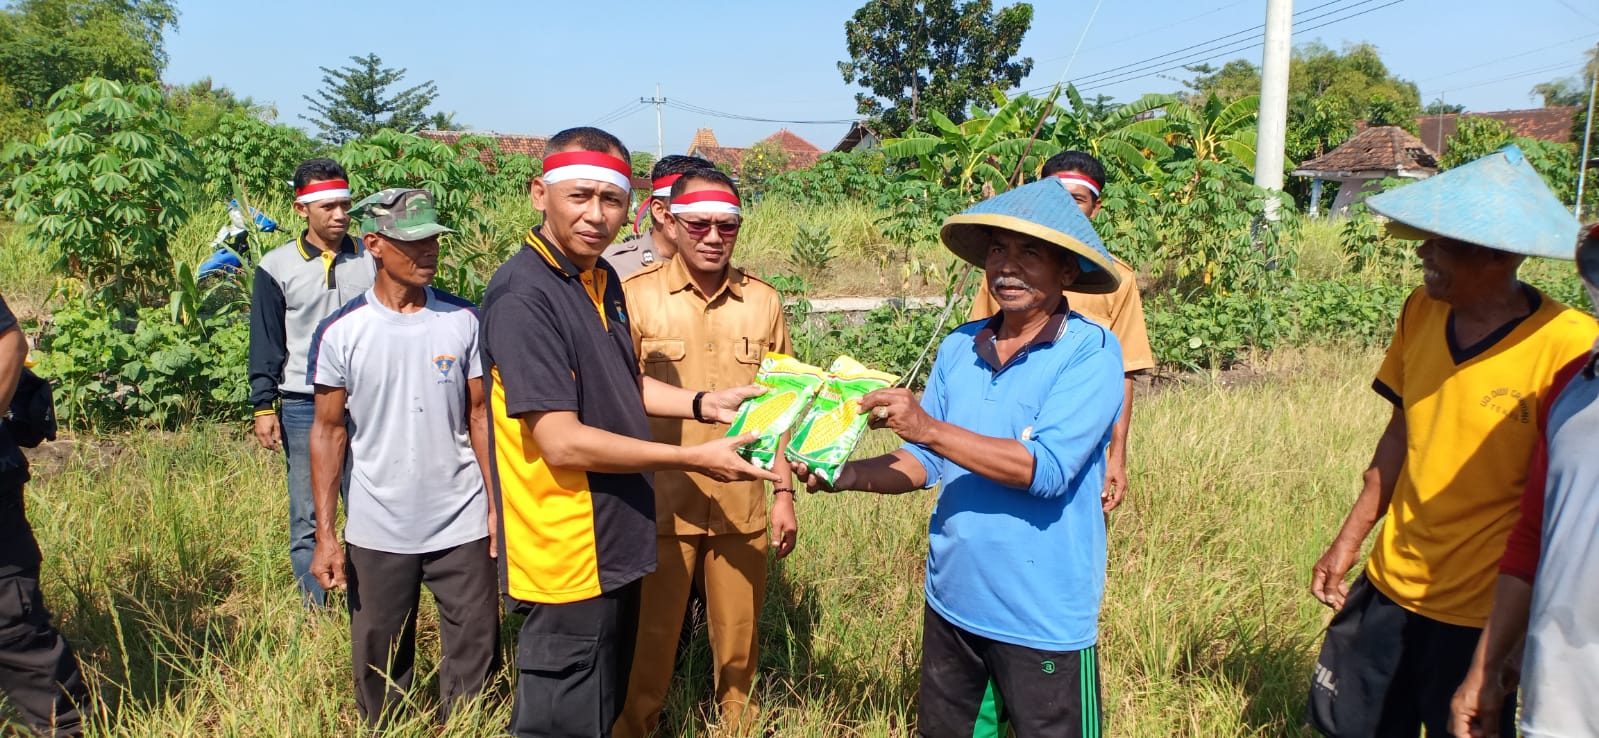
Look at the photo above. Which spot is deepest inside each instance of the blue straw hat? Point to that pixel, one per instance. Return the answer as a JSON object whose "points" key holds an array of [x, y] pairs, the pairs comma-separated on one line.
{"points": [[1498, 201], [1044, 210]]}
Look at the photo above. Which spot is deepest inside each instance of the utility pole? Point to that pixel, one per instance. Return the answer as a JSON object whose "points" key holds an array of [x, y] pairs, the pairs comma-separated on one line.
{"points": [[658, 102], [1587, 136], [1272, 134]]}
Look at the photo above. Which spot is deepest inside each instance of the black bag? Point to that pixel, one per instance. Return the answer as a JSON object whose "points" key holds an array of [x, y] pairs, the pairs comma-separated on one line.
{"points": [[31, 419]]}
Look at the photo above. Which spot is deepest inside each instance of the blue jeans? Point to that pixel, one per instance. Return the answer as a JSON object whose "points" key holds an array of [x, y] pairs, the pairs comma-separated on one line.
{"points": [[296, 417]]}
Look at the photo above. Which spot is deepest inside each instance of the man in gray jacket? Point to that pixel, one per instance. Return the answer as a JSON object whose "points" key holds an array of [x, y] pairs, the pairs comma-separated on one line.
{"points": [[297, 285]]}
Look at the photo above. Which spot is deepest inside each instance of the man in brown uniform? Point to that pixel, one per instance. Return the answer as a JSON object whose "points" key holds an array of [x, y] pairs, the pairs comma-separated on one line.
{"points": [[699, 322], [652, 246], [1121, 311]]}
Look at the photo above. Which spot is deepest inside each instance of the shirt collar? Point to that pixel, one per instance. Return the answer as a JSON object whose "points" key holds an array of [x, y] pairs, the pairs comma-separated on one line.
{"points": [[551, 254], [309, 252], [678, 279], [988, 336]]}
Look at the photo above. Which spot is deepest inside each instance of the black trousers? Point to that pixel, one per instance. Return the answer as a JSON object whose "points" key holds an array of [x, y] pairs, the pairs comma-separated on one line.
{"points": [[982, 688], [38, 671], [1386, 672], [385, 592], [572, 662]]}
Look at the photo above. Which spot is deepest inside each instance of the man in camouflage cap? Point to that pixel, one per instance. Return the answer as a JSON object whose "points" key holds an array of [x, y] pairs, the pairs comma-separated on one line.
{"points": [[403, 358]]}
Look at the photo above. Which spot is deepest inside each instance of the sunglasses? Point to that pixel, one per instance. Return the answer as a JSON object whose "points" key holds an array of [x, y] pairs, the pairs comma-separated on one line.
{"points": [[701, 228]]}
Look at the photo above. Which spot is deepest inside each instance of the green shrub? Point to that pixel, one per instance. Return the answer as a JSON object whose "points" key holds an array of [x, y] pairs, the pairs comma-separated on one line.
{"points": [[258, 156], [835, 177], [148, 371], [106, 188]]}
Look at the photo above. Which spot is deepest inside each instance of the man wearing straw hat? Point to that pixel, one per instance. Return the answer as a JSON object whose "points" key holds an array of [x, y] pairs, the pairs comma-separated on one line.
{"points": [[1547, 592], [1014, 423], [1121, 311], [1473, 355]]}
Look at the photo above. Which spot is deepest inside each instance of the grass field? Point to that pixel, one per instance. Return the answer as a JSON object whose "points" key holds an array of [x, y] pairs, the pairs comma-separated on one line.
{"points": [[165, 567]]}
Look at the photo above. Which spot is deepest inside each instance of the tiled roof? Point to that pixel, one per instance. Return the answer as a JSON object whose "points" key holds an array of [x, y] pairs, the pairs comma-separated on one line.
{"points": [[510, 143], [703, 138], [801, 153], [858, 136], [1382, 149], [789, 141], [1544, 124]]}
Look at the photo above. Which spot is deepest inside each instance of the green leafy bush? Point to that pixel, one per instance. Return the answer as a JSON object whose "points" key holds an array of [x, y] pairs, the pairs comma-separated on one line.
{"points": [[455, 175], [105, 188], [834, 178], [148, 371], [248, 152]]}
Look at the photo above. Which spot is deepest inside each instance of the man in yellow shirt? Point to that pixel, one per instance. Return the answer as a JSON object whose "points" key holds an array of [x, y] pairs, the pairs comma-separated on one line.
{"points": [[700, 322], [1474, 352], [1121, 311]]}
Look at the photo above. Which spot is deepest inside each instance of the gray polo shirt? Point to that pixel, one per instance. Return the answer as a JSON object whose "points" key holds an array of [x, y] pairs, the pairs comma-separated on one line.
{"points": [[295, 288], [415, 486]]}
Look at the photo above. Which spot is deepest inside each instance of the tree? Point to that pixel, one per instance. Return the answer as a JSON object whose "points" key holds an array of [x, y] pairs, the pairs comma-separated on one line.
{"points": [[1439, 107], [355, 102], [46, 45], [916, 56], [200, 106], [1560, 92], [1237, 78]]}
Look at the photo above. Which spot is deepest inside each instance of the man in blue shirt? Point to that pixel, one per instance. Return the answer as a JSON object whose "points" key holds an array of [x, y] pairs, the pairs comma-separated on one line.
{"points": [[1014, 423]]}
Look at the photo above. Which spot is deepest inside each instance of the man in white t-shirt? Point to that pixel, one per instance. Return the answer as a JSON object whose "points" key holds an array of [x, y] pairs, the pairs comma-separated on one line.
{"points": [[403, 358]]}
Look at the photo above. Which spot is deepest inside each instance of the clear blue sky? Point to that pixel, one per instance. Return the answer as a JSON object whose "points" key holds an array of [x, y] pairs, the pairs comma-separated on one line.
{"points": [[537, 67]]}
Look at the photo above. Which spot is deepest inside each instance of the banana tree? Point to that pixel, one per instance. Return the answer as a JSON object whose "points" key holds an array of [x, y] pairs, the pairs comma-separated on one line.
{"points": [[1129, 139], [984, 151], [1217, 131]]}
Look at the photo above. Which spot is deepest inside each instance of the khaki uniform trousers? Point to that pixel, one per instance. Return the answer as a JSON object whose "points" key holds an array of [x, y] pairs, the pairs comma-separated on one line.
{"points": [[731, 571]]}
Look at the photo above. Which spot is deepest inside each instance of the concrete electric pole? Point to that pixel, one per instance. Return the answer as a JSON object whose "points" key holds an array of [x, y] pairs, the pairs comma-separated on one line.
{"points": [[1587, 136], [1273, 122], [658, 102]]}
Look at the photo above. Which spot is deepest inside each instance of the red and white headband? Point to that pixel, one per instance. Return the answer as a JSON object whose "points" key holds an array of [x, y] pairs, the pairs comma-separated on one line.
{"points": [[663, 186], [595, 165], [1075, 178], [706, 201], [328, 189]]}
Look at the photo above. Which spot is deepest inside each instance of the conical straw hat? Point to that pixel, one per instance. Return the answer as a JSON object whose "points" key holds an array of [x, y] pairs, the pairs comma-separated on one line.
{"points": [[1045, 210], [1498, 201]]}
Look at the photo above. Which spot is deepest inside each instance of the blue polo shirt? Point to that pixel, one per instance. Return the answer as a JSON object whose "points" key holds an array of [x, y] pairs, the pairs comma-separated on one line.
{"points": [[1024, 566]]}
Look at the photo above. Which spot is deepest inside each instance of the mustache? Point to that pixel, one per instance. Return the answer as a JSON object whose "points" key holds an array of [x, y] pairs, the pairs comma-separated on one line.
{"points": [[1005, 282]]}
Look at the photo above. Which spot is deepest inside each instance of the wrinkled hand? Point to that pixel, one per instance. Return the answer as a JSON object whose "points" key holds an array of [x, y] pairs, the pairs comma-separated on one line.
{"points": [[721, 406], [785, 526], [1115, 484], [896, 409], [268, 432], [327, 563], [814, 483], [1474, 711], [719, 460], [1327, 578]]}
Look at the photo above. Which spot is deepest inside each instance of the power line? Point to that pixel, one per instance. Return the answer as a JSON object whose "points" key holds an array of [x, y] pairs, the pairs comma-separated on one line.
{"points": [[1507, 78], [1246, 44], [1158, 59], [1490, 62], [1579, 13], [614, 114], [701, 110]]}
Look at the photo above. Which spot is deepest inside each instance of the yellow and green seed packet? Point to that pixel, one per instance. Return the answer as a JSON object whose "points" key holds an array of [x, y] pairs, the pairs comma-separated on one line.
{"points": [[829, 432], [791, 384]]}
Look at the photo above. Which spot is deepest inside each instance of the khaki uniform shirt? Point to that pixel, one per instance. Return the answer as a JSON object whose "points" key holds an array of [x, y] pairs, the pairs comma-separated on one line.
{"points": [[1121, 311], [633, 254], [688, 339]]}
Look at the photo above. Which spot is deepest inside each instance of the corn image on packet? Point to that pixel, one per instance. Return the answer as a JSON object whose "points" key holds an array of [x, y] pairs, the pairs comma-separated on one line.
{"points": [[829, 432], [792, 383]]}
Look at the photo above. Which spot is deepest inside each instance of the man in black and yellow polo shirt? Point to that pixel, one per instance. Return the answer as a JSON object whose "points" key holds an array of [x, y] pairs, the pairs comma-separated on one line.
{"points": [[571, 450]]}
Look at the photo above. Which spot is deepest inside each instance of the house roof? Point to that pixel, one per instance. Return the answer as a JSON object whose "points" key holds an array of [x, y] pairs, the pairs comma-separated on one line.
{"points": [[801, 153], [510, 143], [858, 133], [703, 138], [1378, 151], [1544, 124]]}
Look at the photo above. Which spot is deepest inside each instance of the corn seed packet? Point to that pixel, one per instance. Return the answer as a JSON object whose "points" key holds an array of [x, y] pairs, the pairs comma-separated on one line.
{"points": [[792, 383], [828, 434]]}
